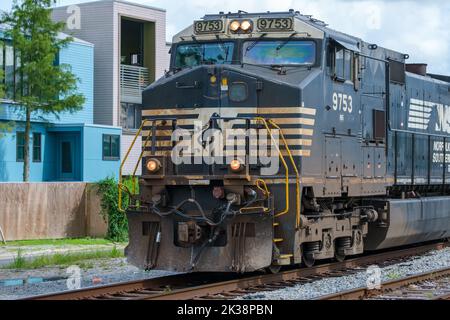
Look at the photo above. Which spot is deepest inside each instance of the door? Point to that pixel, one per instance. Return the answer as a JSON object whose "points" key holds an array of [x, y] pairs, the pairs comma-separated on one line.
{"points": [[333, 167], [67, 165]]}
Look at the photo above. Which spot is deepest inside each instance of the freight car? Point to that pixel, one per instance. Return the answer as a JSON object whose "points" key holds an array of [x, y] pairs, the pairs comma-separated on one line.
{"points": [[359, 139]]}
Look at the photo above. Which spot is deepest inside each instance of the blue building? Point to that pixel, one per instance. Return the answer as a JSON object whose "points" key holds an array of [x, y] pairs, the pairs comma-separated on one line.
{"points": [[69, 147]]}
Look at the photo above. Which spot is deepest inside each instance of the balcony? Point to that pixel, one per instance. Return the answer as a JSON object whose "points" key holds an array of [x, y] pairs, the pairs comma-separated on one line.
{"points": [[133, 80]]}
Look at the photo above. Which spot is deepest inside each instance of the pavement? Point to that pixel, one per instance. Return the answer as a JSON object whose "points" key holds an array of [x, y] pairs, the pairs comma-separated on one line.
{"points": [[9, 252]]}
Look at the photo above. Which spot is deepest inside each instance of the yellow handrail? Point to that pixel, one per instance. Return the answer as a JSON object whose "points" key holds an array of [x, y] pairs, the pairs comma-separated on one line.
{"points": [[139, 160], [264, 188], [286, 210], [119, 201], [297, 174]]}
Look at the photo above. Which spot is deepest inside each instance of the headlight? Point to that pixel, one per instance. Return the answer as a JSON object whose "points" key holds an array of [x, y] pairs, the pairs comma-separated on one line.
{"points": [[153, 165], [235, 25], [236, 166], [246, 25]]}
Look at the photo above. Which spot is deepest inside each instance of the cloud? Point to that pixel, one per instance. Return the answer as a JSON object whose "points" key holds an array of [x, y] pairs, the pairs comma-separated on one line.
{"points": [[420, 28]]}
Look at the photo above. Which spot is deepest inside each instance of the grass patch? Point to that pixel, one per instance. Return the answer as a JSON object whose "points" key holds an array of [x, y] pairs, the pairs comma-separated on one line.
{"points": [[59, 242], [19, 261], [393, 275], [63, 259]]}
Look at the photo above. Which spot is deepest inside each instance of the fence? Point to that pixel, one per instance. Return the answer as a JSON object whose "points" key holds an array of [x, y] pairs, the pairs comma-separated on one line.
{"points": [[30, 211]]}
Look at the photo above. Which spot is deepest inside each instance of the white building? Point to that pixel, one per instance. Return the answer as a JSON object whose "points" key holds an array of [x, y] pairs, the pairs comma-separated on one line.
{"points": [[130, 53]]}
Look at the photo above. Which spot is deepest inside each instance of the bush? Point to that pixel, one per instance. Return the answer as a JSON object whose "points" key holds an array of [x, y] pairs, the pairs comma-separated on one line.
{"points": [[117, 220]]}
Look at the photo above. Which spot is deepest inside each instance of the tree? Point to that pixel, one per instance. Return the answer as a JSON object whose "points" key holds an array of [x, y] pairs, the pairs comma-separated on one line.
{"points": [[47, 87]]}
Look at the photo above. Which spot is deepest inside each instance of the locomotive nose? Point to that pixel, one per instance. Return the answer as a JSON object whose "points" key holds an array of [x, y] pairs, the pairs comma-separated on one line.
{"points": [[220, 86]]}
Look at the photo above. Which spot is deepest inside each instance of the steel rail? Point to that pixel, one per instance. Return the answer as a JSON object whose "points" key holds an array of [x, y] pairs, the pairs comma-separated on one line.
{"points": [[213, 286], [364, 293]]}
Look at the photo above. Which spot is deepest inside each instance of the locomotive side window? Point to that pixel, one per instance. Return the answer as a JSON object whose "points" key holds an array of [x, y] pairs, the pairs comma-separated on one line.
{"points": [[397, 72], [341, 63]]}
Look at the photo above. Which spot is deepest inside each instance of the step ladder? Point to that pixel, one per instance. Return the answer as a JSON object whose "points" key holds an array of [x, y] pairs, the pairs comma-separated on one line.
{"points": [[284, 259]]}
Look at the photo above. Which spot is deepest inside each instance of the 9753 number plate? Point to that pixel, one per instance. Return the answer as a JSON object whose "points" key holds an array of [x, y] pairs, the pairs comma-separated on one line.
{"points": [[209, 26], [276, 24]]}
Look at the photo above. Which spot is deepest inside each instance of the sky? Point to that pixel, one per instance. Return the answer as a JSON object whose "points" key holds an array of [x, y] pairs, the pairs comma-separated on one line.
{"points": [[420, 28]]}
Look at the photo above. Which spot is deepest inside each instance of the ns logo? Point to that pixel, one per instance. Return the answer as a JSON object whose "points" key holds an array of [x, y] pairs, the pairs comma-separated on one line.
{"points": [[426, 114], [443, 118]]}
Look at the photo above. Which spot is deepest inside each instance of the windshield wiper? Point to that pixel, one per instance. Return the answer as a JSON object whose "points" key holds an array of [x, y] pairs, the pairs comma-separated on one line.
{"points": [[281, 46], [250, 47], [223, 47]]}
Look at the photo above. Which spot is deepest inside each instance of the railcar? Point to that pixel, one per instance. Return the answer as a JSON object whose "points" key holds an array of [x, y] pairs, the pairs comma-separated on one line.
{"points": [[358, 143]]}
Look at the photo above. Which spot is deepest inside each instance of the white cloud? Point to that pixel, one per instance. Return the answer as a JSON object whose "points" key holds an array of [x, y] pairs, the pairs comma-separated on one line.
{"points": [[420, 28]]}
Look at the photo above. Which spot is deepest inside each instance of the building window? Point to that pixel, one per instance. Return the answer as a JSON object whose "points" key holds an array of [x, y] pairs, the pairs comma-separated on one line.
{"points": [[2, 63], [131, 116], [111, 147], [37, 147], [20, 146], [9, 71]]}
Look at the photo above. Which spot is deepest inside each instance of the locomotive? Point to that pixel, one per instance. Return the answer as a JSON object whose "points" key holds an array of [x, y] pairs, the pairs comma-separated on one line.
{"points": [[358, 142]]}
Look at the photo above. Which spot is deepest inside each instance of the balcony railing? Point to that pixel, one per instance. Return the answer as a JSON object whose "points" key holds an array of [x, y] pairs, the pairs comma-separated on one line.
{"points": [[133, 80]]}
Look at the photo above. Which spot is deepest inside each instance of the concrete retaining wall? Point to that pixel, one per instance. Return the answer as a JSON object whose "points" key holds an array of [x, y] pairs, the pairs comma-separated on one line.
{"points": [[30, 211]]}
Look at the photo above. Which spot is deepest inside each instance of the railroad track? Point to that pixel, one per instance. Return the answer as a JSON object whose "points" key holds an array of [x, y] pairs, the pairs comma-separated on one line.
{"points": [[434, 285], [229, 286]]}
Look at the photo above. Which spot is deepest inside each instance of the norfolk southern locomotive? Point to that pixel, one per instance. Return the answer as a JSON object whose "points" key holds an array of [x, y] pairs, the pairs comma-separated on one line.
{"points": [[364, 149]]}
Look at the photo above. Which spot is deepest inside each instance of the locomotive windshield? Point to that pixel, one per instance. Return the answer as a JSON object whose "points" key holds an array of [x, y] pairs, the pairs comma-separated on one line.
{"points": [[194, 54], [285, 52]]}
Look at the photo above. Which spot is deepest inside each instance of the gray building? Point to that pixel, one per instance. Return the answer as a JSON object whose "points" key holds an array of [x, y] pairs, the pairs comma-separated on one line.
{"points": [[130, 53]]}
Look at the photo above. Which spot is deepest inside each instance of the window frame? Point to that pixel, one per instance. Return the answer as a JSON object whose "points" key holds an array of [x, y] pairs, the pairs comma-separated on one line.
{"points": [[137, 115], [9, 78], [333, 49], [22, 133], [110, 157], [2, 63], [39, 147]]}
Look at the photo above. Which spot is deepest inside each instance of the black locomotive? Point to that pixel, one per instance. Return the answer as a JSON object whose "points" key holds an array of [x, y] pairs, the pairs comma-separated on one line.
{"points": [[358, 138]]}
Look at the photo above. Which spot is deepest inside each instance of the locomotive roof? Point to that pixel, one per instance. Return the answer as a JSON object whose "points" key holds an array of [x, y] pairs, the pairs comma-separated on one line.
{"points": [[321, 28], [319, 24]]}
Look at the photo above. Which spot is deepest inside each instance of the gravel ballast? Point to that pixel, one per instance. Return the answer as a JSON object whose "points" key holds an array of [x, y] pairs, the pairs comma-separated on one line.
{"points": [[93, 273], [434, 260]]}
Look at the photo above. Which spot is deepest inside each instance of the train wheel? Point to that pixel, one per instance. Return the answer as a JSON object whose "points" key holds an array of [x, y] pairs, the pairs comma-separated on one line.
{"points": [[308, 259], [339, 256], [308, 251], [340, 246], [273, 269]]}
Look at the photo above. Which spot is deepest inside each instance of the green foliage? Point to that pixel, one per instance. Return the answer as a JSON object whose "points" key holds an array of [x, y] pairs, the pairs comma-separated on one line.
{"points": [[59, 242], [47, 87], [117, 220], [19, 261], [63, 259]]}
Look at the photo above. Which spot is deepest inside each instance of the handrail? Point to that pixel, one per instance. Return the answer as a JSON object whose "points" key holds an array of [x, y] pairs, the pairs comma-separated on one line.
{"points": [[258, 182], [144, 122], [297, 174], [286, 210], [124, 160]]}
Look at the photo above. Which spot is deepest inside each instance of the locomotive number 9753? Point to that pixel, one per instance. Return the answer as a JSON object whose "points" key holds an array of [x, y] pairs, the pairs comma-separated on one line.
{"points": [[342, 102]]}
